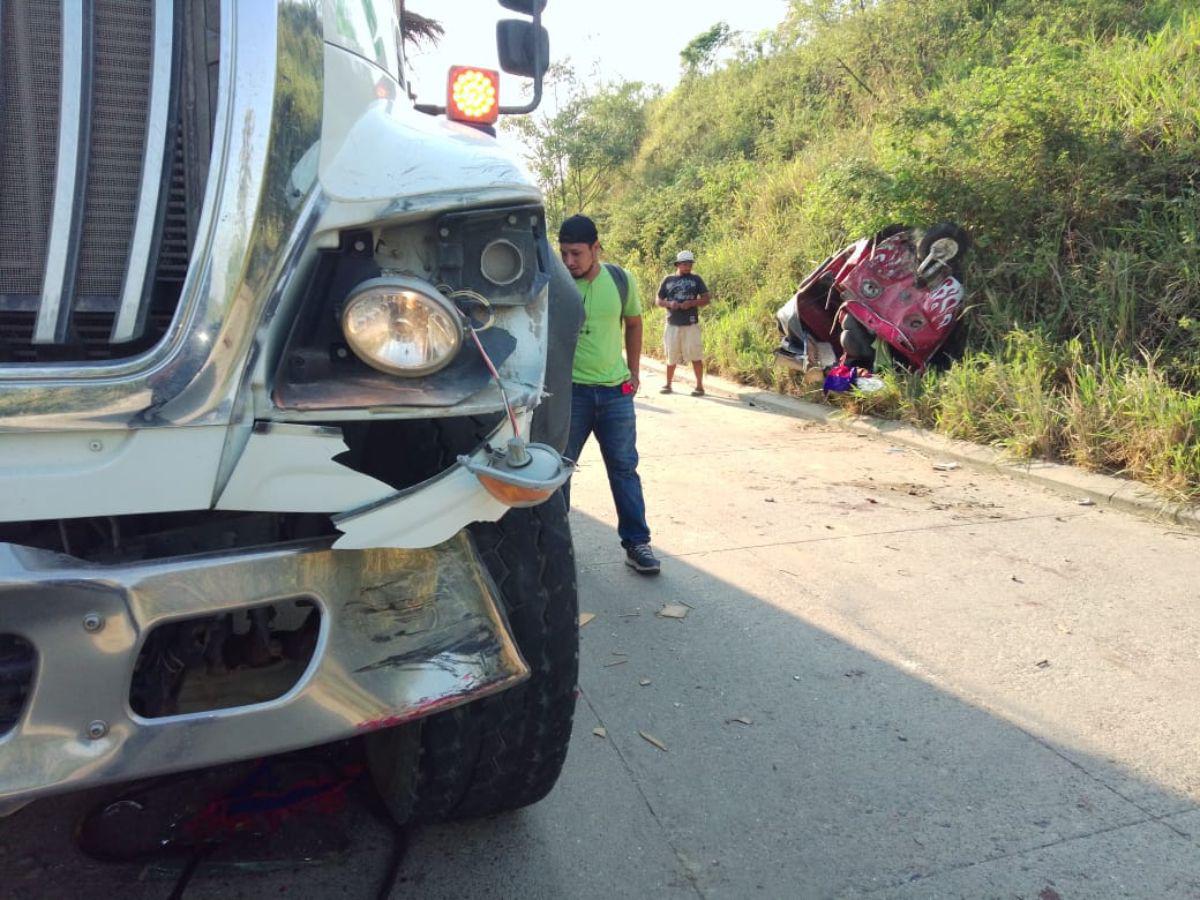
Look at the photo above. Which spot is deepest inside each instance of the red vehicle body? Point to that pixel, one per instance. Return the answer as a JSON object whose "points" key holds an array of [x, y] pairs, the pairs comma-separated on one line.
{"points": [[891, 286]]}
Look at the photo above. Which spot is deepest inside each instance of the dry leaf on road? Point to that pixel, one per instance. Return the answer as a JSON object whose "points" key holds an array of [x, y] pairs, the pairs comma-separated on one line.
{"points": [[600, 732], [674, 611], [584, 618], [741, 720], [653, 740]]}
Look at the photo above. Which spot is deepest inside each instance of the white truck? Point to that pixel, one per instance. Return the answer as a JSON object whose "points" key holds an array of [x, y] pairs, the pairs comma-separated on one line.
{"points": [[284, 379]]}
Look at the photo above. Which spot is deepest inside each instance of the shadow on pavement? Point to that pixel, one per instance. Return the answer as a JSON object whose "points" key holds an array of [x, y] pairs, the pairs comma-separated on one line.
{"points": [[796, 765]]}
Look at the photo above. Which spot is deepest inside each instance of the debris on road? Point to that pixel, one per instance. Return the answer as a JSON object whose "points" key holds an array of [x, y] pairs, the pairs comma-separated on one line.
{"points": [[740, 720], [1043, 664], [674, 611], [946, 466], [630, 615], [615, 662], [1087, 501], [644, 682], [584, 618], [600, 732], [653, 740]]}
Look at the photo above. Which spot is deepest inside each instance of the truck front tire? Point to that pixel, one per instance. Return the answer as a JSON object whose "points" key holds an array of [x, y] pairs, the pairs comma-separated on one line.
{"points": [[502, 752]]}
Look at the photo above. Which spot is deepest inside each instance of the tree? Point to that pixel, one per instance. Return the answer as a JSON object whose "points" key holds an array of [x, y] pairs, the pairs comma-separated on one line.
{"points": [[418, 29], [582, 140], [700, 55], [806, 17]]}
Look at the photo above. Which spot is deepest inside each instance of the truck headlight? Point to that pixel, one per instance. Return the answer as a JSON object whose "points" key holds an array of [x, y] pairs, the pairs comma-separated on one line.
{"points": [[401, 326]]}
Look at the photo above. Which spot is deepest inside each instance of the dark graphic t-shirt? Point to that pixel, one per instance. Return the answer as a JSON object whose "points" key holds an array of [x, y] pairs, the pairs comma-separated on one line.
{"points": [[681, 288]]}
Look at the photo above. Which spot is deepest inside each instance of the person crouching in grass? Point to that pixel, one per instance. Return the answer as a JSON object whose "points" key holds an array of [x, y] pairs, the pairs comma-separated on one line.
{"points": [[682, 295]]}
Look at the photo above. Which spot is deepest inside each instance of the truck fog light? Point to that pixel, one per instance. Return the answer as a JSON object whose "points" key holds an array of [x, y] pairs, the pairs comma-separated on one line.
{"points": [[501, 262], [401, 326]]}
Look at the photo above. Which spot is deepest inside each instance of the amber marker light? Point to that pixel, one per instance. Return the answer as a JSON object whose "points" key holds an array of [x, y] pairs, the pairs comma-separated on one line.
{"points": [[522, 474], [473, 95], [514, 495]]}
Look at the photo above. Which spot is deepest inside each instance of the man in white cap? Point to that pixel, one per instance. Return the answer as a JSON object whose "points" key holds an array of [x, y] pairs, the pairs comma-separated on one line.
{"points": [[682, 295]]}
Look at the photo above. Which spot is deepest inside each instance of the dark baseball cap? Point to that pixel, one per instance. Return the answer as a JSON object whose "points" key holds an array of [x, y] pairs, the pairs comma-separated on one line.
{"points": [[578, 230]]}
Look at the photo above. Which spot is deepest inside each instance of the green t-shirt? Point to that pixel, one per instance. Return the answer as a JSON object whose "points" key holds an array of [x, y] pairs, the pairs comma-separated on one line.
{"points": [[600, 353]]}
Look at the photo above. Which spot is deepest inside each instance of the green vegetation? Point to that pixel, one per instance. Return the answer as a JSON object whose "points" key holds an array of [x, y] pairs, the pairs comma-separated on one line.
{"points": [[1084, 404], [1065, 136]]}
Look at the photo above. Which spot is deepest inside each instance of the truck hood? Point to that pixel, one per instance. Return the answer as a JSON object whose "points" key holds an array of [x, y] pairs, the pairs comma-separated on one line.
{"points": [[381, 160]]}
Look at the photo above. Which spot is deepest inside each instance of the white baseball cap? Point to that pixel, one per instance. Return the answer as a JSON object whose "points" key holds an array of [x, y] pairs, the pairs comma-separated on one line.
{"points": [[684, 256]]}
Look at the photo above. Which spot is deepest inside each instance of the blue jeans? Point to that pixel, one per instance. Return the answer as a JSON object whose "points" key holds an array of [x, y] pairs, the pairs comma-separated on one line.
{"points": [[608, 414]]}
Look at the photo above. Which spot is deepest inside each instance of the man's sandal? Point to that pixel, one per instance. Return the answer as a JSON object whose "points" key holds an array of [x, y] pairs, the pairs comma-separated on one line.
{"points": [[698, 392], [665, 389]]}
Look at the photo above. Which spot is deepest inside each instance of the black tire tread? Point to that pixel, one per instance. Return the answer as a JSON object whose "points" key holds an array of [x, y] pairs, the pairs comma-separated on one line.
{"points": [[506, 751]]}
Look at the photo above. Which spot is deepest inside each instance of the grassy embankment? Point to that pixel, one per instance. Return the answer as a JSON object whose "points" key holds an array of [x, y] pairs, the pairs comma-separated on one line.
{"points": [[1065, 136]]}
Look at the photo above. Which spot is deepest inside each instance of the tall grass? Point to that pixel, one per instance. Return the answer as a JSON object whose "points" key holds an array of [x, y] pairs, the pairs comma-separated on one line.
{"points": [[1079, 402]]}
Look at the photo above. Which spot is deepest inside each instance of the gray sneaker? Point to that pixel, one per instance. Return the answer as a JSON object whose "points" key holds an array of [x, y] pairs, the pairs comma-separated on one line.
{"points": [[641, 560]]}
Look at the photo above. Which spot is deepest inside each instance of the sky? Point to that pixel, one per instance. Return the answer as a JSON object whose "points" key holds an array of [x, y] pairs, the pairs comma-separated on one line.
{"points": [[632, 40]]}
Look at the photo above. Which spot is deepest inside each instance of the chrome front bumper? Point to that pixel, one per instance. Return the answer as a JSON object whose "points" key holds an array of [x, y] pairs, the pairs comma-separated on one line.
{"points": [[404, 633]]}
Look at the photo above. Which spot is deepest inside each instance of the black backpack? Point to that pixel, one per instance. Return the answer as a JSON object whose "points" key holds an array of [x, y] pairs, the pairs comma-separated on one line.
{"points": [[621, 277]]}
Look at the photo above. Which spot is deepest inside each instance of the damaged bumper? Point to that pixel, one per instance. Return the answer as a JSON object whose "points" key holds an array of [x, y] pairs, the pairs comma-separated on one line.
{"points": [[293, 468], [402, 634]]}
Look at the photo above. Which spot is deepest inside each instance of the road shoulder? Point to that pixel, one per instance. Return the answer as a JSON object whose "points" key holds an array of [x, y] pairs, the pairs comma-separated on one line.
{"points": [[1087, 487]]}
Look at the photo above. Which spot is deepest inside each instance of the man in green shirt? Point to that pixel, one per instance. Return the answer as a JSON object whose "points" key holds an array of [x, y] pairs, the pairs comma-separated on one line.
{"points": [[605, 381]]}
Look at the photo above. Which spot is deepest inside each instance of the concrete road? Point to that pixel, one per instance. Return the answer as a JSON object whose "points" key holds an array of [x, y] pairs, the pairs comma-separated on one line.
{"points": [[891, 681]]}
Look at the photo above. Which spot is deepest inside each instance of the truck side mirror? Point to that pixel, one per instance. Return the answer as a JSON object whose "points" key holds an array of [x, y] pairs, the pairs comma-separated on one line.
{"points": [[524, 47], [525, 7]]}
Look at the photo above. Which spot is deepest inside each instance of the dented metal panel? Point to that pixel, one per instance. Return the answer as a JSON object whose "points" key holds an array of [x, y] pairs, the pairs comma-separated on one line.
{"points": [[421, 516], [291, 468], [430, 512], [404, 633]]}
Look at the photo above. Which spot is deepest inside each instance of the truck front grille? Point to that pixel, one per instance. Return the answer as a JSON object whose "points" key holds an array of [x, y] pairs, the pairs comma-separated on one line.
{"points": [[97, 211], [29, 54]]}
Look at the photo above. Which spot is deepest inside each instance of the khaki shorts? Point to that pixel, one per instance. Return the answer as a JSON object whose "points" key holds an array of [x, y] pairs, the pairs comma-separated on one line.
{"points": [[683, 344]]}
